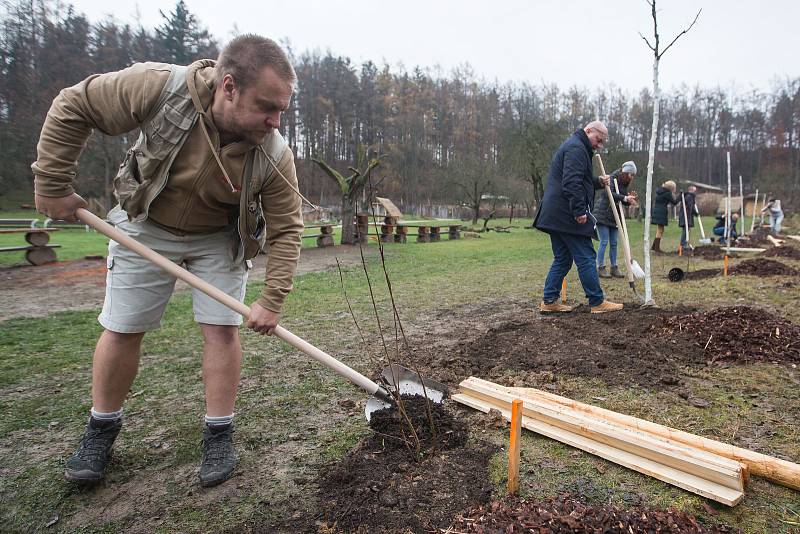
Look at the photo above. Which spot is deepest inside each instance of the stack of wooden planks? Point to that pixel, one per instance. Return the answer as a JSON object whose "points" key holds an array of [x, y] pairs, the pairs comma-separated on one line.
{"points": [[709, 468]]}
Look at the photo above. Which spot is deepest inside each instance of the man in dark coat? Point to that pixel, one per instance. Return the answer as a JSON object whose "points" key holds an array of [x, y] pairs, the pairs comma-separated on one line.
{"points": [[606, 223], [566, 214], [688, 197]]}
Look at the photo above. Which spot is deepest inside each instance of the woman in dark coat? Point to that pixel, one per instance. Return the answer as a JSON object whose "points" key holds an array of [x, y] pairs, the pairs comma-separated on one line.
{"points": [[665, 195], [606, 224]]}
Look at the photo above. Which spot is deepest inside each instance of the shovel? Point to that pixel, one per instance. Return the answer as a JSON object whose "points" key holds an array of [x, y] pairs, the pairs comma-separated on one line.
{"points": [[626, 246], [397, 379], [703, 240]]}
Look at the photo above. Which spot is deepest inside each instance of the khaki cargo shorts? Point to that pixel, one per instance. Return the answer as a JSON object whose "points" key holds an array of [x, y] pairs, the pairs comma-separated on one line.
{"points": [[137, 291]]}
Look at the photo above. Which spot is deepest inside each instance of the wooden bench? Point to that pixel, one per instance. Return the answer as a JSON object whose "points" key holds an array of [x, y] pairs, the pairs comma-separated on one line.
{"points": [[16, 223], [429, 233], [48, 223], [39, 251]]}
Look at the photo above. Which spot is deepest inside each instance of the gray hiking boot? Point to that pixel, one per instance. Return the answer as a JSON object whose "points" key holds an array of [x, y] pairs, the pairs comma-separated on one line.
{"points": [[219, 458], [88, 464], [602, 272], [615, 272]]}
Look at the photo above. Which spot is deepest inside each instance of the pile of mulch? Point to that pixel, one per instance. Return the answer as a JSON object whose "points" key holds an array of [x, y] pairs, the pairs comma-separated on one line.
{"points": [[785, 251], [763, 267], [739, 334], [382, 486], [565, 514], [709, 252]]}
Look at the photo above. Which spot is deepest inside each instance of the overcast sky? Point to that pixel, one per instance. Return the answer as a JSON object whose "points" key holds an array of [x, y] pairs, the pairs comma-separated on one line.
{"points": [[744, 44]]}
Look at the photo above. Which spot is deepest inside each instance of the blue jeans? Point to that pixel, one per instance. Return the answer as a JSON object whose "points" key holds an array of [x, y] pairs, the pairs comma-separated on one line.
{"points": [[720, 231], [608, 237], [775, 220], [566, 249], [683, 236]]}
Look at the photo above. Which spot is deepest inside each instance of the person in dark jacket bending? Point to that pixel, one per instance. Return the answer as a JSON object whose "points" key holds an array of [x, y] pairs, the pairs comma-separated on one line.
{"points": [[719, 227], [566, 214], [606, 224], [665, 195], [689, 197]]}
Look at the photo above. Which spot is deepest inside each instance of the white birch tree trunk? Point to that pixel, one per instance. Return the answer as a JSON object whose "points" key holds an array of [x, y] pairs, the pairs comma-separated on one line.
{"points": [[648, 278]]}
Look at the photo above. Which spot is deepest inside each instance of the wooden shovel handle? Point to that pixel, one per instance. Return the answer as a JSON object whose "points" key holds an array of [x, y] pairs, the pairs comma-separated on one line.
{"points": [[179, 272]]}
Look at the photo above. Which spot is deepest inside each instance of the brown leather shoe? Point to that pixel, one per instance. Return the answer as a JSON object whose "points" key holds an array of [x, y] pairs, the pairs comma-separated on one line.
{"points": [[606, 306], [554, 307]]}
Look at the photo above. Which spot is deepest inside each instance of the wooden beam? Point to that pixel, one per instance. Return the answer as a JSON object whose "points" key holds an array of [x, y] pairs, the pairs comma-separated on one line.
{"points": [[780, 471], [745, 249], [675, 455], [687, 481]]}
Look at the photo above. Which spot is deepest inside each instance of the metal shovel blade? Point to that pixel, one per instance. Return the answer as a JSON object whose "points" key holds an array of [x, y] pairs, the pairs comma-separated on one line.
{"points": [[404, 381]]}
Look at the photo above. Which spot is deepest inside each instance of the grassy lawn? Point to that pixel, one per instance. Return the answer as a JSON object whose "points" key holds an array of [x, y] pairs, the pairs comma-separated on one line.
{"points": [[289, 420]]}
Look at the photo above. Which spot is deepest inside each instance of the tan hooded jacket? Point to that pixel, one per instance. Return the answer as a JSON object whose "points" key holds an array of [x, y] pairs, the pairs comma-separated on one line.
{"points": [[196, 197]]}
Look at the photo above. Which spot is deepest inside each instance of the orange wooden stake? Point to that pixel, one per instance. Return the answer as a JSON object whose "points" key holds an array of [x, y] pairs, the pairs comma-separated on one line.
{"points": [[564, 291], [680, 250], [725, 266], [513, 447]]}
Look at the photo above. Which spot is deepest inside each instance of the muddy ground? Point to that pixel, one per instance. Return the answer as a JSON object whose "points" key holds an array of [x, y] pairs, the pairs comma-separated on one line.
{"points": [[380, 484], [28, 290]]}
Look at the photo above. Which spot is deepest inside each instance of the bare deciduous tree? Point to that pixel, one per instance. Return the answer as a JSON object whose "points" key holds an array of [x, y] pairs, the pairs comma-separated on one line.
{"points": [[657, 54]]}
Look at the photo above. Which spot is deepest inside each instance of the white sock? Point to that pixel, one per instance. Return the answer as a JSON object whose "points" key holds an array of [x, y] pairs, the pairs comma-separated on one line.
{"points": [[218, 420], [106, 416]]}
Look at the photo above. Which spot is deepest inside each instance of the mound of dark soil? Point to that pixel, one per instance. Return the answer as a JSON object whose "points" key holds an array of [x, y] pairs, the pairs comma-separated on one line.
{"points": [[379, 487], [567, 515], [756, 238], [783, 252], [709, 252], [740, 334], [392, 429], [615, 347], [763, 267]]}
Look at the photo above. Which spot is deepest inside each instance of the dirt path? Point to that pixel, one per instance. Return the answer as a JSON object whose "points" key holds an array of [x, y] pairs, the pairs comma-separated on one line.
{"points": [[80, 285]]}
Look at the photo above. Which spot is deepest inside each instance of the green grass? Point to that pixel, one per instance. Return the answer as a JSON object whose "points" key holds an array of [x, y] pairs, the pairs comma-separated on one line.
{"points": [[290, 423]]}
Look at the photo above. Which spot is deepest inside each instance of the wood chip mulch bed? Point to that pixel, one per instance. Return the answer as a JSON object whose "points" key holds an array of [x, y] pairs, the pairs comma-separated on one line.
{"points": [[565, 514], [741, 334]]}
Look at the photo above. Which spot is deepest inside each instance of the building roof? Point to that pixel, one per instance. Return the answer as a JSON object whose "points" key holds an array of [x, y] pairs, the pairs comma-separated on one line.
{"points": [[388, 205]]}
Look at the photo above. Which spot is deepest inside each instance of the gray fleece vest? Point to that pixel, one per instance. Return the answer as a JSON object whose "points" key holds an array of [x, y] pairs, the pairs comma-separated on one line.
{"points": [[145, 170]]}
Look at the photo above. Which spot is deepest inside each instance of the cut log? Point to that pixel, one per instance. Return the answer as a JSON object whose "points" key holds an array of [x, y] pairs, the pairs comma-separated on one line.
{"points": [[325, 240], [37, 239], [780, 471], [687, 481], [745, 249], [40, 255], [712, 467]]}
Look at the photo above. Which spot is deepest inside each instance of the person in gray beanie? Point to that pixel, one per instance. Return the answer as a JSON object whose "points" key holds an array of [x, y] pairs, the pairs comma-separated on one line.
{"points": [[606, 224]]}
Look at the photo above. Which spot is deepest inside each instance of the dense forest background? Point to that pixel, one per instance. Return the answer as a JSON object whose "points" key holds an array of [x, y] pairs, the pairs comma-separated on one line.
{"points": [[448, 138]]}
